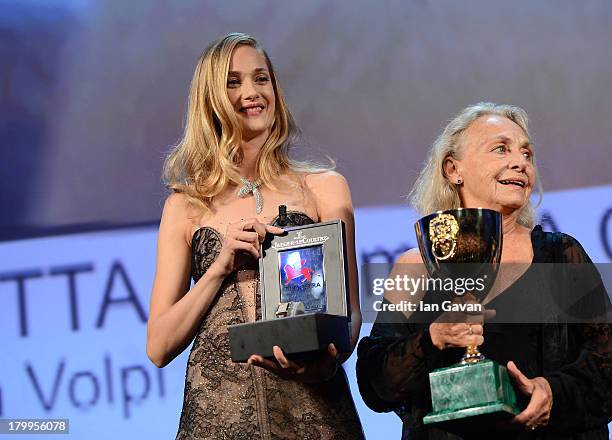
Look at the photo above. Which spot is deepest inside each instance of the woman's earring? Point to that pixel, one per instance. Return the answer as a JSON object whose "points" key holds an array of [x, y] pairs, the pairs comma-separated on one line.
{"points": [[459, 181]]}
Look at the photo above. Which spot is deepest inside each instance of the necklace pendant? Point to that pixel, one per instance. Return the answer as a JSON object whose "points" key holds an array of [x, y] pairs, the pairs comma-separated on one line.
{"points": [[249, 187], [258, 202]]}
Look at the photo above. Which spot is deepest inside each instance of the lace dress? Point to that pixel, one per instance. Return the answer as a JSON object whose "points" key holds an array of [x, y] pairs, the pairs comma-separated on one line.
{"points": [[226, 400]]}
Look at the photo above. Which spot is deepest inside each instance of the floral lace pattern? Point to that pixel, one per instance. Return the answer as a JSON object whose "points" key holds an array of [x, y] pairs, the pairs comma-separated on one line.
{"points": [[229, 401]]}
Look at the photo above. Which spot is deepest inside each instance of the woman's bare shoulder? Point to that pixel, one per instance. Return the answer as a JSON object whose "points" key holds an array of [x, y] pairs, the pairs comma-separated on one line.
{"points": [[328, 185], [178, 207], [178, 214], [329, 177]]}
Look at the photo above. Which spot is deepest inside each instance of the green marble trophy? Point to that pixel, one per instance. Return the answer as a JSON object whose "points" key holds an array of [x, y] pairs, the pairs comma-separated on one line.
{"points": [[477, 391]]}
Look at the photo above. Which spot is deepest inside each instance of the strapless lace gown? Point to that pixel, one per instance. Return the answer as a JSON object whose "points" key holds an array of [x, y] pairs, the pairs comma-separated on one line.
{"points": [[226, 400]]}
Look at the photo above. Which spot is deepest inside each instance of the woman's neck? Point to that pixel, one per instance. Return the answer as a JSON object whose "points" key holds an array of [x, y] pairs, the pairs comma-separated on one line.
{"points": [[510, 224], [250, 150]]}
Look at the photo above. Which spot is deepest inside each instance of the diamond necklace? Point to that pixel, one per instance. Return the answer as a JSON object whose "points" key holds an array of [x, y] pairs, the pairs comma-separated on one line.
{"points": [[249, 187]]}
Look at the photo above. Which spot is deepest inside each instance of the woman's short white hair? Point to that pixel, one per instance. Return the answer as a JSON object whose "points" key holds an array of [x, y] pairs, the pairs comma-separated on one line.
{"points": [[432, 190]]}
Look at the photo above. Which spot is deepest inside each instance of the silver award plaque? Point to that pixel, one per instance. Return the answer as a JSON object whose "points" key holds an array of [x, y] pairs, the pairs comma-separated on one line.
{"points": [[305, 265], [304, 294]]}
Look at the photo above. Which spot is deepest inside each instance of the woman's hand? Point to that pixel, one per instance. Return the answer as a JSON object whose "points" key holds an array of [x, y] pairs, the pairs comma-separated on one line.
{"points": [[537, 413], [319, 370], [457, 329], [242, 237]]}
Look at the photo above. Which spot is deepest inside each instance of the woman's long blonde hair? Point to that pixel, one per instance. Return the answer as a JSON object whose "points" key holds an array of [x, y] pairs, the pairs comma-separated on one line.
{"points": [[432, 191], [206, 158]]}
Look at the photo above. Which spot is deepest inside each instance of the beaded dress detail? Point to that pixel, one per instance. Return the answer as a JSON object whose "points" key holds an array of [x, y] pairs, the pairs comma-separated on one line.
{"points": [[224, 400]]}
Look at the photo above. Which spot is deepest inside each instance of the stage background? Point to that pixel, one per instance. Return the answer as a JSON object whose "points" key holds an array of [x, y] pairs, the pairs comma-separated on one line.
{"points": [[92, 94]]}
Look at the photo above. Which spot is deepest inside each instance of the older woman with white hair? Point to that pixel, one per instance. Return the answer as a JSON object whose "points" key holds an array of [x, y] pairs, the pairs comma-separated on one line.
{"points": [[485, 158]]}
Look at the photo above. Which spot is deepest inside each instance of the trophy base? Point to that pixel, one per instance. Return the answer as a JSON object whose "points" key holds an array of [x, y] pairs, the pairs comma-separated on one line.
{"points": [[296, 335], [479, 394]]}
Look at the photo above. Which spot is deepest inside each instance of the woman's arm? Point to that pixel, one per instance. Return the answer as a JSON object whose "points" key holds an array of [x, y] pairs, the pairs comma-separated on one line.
{"points": [[175, 310], [393, 362]]}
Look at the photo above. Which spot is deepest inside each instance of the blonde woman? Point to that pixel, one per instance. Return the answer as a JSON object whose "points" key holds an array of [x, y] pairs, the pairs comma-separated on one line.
{"points": [[229, 174]]}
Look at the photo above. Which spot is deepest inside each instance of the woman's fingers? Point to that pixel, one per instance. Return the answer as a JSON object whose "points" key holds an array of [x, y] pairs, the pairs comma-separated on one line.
{"points": [[537, 412], [259, 361], [262, 229], [531, 415], [274, 229], [472, 329], [313, 371], [248, 236], [245, 225], [456, 335], [253, 224], [238, 245], [459, 329], [280, 357], [245, 236], [243, 240], [332, 350], [468, 334], [281, 366], [525, 385], [262, 362], [259, 228], [531, 411], [285, 363]]}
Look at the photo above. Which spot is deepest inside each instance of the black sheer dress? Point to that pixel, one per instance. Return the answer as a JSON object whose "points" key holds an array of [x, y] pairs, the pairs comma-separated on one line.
{"points": [[229, 401], [576, 359]]}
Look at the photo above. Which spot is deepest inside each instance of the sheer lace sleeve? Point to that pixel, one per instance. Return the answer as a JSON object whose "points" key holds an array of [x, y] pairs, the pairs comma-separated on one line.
{"points": [[394, 362]]}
